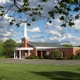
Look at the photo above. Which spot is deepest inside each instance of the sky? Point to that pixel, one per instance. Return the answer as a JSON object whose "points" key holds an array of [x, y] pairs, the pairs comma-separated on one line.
{"points": [[40, 30]]}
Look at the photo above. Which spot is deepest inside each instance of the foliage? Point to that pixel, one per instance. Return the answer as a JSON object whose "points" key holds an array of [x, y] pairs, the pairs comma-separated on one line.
{"points": [[9, 46], [73, 56], [67, 45], [1, 47], [56, 53], [76, 56], [66, 9], [32, 57]]}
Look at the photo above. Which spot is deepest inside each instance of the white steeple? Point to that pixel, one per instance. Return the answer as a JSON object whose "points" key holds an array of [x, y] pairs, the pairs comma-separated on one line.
{"points": [[25, 31]]}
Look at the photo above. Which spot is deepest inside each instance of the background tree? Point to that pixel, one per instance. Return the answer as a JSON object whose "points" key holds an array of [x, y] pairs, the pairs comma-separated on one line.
{"points": [[9, 46], [67, 11], [67, 45], [1, 47]]}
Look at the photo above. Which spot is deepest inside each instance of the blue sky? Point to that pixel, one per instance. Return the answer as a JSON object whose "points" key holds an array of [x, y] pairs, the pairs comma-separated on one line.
{"points": [[41, 31]]}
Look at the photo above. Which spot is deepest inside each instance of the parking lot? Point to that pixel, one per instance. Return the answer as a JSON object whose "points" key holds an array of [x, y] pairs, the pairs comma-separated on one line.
{"points": [[41, 61]]}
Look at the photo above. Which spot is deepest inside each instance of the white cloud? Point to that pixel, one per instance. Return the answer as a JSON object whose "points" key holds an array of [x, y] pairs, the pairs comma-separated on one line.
{"points": [[54, 33], [65, 38], [37, 36], [77, 25], [4, 1], [49, 24], [36, 29]]}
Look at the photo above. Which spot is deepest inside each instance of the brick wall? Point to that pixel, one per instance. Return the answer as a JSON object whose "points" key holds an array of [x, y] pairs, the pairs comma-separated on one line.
{"points": [[24, 42]]}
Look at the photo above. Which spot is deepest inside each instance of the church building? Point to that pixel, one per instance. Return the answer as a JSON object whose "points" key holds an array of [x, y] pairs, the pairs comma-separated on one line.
{"points": [[41, 49]]}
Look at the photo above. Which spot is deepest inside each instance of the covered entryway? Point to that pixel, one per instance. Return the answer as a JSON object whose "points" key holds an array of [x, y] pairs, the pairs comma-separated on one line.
{"points": [[22, 52]]}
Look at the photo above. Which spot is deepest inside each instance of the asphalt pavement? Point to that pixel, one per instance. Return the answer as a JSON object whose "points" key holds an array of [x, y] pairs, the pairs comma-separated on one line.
{"points": [[41, 61]]}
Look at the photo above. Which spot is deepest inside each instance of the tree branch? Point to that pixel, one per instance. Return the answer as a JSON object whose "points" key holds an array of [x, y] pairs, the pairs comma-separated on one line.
{"points": [[7, 11]]}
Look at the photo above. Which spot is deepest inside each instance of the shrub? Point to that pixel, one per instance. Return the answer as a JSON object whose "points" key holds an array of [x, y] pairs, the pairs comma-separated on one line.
{"points": [[42, 57], [58, 58], [78, 56], [32, 57], [36, 57], [56, 53], [73, 57], [64, 58]]}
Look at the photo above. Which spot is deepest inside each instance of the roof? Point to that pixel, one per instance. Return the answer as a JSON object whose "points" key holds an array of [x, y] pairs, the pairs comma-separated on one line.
{"points": [[41, 44]]}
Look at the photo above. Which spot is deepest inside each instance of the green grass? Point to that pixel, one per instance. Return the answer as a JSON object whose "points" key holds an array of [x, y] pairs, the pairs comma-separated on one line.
{"points": [[11, 71]]}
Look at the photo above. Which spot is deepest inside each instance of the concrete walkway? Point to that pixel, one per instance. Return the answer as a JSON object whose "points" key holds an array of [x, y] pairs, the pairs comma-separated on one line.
{"points": [[41, 61]]}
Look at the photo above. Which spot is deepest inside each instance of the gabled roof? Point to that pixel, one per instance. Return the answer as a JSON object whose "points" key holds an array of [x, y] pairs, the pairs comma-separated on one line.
{"points": [[41, 44]]}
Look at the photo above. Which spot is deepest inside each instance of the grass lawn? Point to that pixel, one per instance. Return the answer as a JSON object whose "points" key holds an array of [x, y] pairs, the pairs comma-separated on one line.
{"points": [[11, 71]]}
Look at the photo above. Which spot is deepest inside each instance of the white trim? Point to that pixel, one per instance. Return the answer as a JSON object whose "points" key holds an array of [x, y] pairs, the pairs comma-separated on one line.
{"points": [[19, 54], [46, 47], [23, 48], [14, 55]]}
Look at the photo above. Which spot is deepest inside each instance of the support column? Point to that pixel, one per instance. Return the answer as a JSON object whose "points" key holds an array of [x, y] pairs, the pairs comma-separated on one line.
{"points": [[41, 54], [19, 54], [14, 55], [28, 52]]}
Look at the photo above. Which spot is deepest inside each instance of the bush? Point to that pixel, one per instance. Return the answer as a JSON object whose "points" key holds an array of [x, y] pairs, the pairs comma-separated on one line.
{"points": [[32, 57], [73, 57], [42, 58], [64, 58], [36, 57], [78, 56], [58, 58]]}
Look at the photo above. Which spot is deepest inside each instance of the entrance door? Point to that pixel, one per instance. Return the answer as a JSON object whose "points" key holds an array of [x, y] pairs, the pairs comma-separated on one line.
{"points": [[39, 54], [23, 54]]}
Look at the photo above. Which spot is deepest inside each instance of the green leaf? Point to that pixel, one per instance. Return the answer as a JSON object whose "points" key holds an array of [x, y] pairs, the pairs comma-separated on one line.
{"points": [[69, 9], [18, 24], [77, 16], [28, 24], [1, 14], [25, 1], [11, 23], [51, 13], [25, 9], [60, 11], [62, 18], [33, 19], [19, 10], [63, 25], [76, 9], [50, 21], [65, 13], [71, 24], [44, 0], [1, 7]]}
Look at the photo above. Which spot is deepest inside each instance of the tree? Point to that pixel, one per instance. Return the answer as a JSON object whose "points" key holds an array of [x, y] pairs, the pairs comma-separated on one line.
{"points": [[67, 45], [1, 47], [68, 11], [56, 53], [9, 46]]}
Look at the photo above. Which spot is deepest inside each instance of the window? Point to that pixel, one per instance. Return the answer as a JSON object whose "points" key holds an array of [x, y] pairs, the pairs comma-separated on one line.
{"points": [[47, 53]]}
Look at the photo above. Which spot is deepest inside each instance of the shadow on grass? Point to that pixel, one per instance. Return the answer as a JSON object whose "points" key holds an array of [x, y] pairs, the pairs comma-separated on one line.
{"points": [[3, 78], [59, 75]]}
